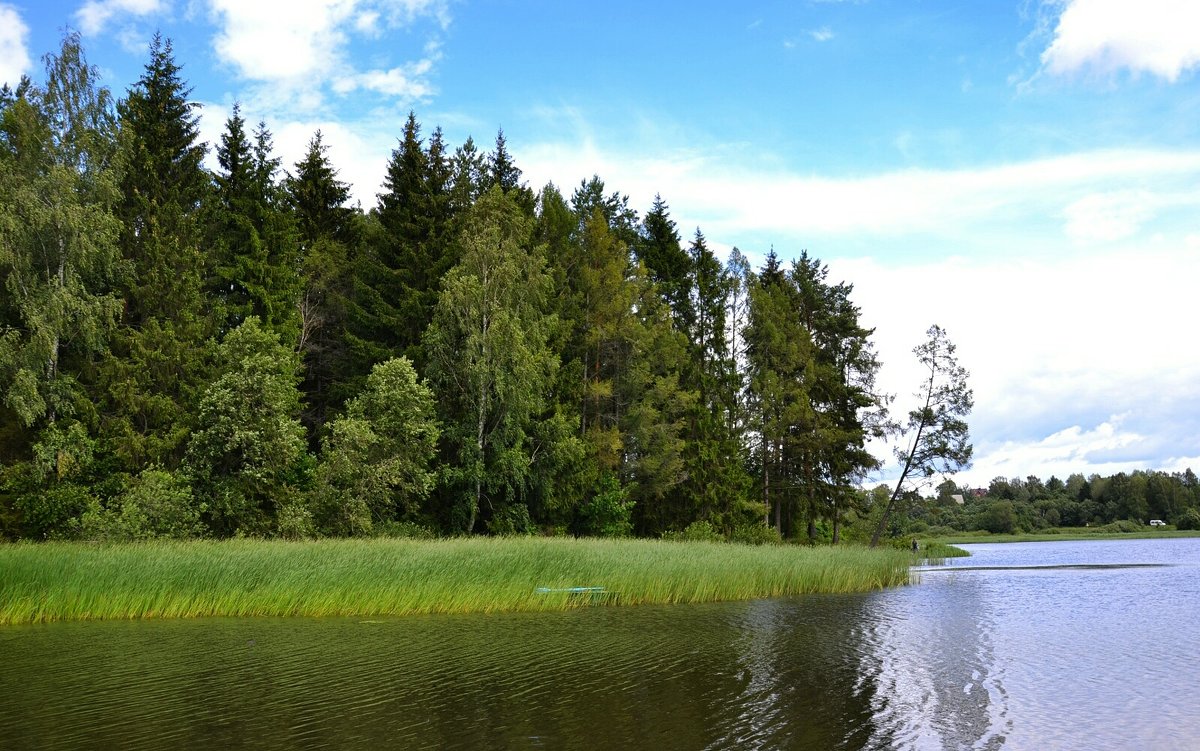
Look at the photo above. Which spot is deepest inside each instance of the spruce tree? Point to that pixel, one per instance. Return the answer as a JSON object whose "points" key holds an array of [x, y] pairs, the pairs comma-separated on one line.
{"points": [[253, 235], [666, 262], [397, 283], [328, 247], [155, 366]]}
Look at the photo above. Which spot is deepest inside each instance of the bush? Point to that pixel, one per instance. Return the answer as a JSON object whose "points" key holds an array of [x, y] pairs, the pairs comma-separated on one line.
{"points": [[755, 534], [156, 504], [404, 531], [1122, 525], [511, 521], [701, 531], [1189, 519], [609, 512]]}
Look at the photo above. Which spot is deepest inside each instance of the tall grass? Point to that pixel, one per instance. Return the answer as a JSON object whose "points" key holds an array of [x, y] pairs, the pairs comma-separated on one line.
{"points": [[71, 581]]}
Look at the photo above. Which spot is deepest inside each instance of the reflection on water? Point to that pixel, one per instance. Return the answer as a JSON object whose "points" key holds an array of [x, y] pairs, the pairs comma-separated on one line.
{"points": [[995, 651]]}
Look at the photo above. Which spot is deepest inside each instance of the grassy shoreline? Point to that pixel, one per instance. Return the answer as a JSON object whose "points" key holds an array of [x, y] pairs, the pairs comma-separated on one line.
{"points": [[73, 581], [1065, 534]]}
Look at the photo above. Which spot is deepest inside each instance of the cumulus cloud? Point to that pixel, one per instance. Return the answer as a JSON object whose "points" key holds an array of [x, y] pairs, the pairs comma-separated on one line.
{"points": [[94, 15], [1072, 192], [300, 45], [14, 50], [1106, 36], [1055, 347]]}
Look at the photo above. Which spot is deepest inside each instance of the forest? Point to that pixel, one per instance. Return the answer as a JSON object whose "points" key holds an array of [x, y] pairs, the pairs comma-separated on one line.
{"points": [[187, 352]]}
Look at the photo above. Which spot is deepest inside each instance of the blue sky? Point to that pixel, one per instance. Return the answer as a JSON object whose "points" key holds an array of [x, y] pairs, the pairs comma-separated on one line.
{"points": [[1026, 173]]}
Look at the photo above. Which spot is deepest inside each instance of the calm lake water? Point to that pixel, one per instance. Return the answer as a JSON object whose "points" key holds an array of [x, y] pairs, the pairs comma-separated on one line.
{"points": [[1071, 645]]}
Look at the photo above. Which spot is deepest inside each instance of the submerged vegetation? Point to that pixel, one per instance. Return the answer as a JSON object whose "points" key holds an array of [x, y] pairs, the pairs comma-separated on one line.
{"points": [[70, 581]]}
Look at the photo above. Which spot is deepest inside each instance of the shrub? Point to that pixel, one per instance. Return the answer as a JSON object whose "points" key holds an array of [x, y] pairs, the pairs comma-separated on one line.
{"points": [[404, 531], [1122, 525], [608, 513], [156, 504], [701, 531], [755, 534], [1189, 519]]}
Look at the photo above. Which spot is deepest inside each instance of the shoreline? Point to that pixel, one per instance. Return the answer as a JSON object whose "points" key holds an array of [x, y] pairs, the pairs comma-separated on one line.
{"points": [[1067, 535]]}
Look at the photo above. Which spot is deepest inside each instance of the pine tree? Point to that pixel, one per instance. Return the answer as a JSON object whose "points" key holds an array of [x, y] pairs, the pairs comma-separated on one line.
{"points": [[716, 480], [468, 169], [779, 352]]}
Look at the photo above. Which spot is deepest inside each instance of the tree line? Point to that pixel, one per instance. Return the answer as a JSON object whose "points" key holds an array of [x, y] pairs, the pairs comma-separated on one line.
{"points": [[1124, 502], [186, 352]]}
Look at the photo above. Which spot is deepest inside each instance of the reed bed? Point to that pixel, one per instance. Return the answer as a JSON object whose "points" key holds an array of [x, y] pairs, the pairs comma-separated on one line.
{"points": [[240, 578]]}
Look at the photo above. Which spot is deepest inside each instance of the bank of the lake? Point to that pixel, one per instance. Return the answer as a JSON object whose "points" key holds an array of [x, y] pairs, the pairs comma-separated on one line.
{"points": [[74, 581], [1060, 534]]}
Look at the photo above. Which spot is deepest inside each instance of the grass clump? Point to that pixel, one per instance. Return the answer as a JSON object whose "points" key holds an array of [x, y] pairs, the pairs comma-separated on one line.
{"points": [[72, 581]]}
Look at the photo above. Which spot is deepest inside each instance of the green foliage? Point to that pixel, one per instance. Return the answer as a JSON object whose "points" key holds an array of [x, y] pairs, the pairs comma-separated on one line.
{"points": [[375, 467], [58, 251], [151, 374], [1123, 525], [489, 360], [999, 518], [608, 512], [1189, 519], [698, 531], [156, 504], [248, 441], [755, 534]]}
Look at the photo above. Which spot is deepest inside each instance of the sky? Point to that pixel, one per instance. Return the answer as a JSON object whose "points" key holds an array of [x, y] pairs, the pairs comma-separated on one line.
{"points": [[1024, 173]]}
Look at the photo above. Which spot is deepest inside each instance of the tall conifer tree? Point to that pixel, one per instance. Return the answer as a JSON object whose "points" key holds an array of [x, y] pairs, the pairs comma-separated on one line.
{"points": [[156, 364]]}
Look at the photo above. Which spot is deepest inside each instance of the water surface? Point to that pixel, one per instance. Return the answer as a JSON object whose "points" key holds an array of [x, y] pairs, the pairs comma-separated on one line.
{"points": [[1074, 645]]}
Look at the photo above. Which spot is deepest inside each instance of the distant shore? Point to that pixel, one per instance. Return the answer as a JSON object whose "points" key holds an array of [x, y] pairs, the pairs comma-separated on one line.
{"points": [[1059, 535], [242, 578]]}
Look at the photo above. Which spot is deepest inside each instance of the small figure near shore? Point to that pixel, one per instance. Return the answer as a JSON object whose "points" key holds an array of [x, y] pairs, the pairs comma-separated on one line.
{"points": [[915, 547]]}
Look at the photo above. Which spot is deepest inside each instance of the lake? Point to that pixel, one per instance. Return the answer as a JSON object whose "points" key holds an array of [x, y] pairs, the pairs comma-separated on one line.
{"points": [[1063, 645]]}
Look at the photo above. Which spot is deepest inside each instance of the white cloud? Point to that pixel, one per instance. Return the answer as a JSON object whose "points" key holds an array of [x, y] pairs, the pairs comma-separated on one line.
{"points": [[717, 191], [1054, 346], [94, 15], [1158, 37], [1061, 454], [1104, 217], [297, 47], [14, 50], [823, 34]]}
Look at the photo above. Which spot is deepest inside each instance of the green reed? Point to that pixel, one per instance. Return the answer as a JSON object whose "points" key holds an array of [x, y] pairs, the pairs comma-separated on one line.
{"points": [[73, 581]]}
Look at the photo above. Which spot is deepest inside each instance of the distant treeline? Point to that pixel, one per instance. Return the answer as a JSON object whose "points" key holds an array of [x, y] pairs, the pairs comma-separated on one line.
{"points": [[186, 352], [1124, 501]]}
